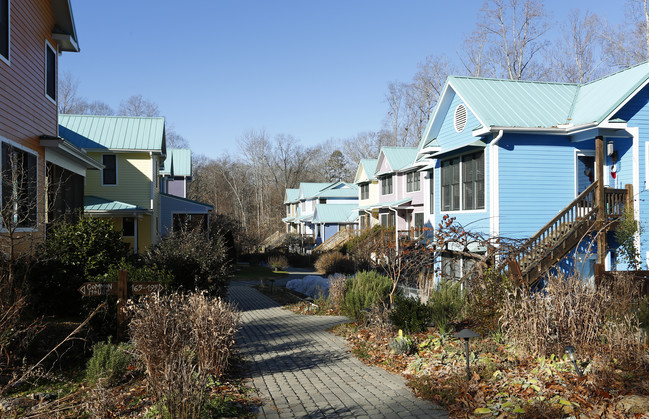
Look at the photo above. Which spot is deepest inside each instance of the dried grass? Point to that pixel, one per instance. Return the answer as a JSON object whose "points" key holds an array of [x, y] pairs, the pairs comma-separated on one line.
{"points": [[184, 342], [570, 311], [337, 290]]}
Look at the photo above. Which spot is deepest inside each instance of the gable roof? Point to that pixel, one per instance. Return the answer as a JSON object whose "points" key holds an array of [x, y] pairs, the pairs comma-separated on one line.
{"points": [[339, 190], [178, 162], [335, 213], [291, 195], [98, 132], [398, 158], [310, 189], [503, 103], [97, 204], [369, 166]]}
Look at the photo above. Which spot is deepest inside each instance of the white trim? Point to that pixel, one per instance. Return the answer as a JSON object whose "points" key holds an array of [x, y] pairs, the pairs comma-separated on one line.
{"points": [[494, 190], [646, 165], [7, 60], [116, 170], [635, 131], [56, 87]]}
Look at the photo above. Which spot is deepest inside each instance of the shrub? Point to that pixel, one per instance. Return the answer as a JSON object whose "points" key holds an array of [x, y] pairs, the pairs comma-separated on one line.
{"points": [[337, 290], [109, 362], [446, 303], [401, 344], [485, 299], [278, 262], [410, 314], [334, 262], [73, 253], [194, 260], [184, 342], [366, 289]]}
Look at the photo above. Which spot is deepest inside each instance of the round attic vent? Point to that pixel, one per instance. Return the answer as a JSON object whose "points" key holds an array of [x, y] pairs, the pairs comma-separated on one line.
{"points": [[460, 118]]}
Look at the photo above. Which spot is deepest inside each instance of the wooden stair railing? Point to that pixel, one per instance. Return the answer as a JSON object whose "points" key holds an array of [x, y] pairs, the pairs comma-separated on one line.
{"points": [[337, 239], [563, 233]]}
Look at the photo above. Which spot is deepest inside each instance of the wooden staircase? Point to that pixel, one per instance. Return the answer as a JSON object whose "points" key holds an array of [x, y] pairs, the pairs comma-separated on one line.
{"points": [[338, 239], [563, 233]]}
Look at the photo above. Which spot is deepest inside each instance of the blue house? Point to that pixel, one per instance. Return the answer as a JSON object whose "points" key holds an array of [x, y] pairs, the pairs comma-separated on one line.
{"points": [[507, 157]]}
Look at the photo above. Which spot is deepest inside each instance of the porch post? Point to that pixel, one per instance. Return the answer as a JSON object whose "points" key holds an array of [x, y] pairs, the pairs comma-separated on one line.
{"points": [[601, 200]]}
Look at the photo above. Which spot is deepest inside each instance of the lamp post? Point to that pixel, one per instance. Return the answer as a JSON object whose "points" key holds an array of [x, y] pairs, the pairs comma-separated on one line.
{"points": [[570, 351], [466, 334]]}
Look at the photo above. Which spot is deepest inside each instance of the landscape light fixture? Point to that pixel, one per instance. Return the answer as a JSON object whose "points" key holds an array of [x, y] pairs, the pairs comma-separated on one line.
{"points": [[466, 334], [570, 351]]}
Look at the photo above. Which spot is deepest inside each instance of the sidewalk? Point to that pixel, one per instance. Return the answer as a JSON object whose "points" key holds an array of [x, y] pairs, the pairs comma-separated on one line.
{"points": [[301, 370]]}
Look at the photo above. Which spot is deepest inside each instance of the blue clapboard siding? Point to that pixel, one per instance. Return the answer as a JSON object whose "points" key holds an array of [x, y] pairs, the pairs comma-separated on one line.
{"points": [[170, 205], [329, 230], [537, 180], [636, 112], [448, 138]]}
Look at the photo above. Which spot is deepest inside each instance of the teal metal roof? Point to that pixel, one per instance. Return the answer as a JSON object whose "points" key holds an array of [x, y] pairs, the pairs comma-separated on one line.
{"points": [[291, 195], [369, 165], [191, 201], [93, 132], [529, 104], [596, 100], [389, 204], [311, 189], [97, 204], [515, 103], [178, 162], [399, 157], [335, 213], [339, 190]]}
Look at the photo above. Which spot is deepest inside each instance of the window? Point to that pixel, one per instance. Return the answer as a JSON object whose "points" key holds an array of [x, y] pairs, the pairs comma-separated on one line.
{"points": [[412, 181], [4, 29], [365, 191], [109, 172], [19, 185], [431, 180], [468, 172], [386, 185], [322, 201], [419, 220], [473, 181], [128, 226], [50, 71], [450, 185]]}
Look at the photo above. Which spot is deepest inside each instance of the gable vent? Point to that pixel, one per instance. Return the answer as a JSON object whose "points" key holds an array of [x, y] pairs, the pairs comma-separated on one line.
{"points": [[460, 118]]}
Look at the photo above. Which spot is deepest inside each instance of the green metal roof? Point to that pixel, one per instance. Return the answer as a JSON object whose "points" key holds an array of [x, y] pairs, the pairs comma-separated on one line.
{"points": [[311, 189], [529, 104], [335, 213], [515, 103], [389, 204], [178, 162], [291, 195], [339, 190], [94, 132], [191, 201], [97, 204], [399, 157], [369, 165]]}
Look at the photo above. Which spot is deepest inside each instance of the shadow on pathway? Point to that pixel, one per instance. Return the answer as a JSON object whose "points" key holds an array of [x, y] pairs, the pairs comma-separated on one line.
{"points": [[301, 370]]}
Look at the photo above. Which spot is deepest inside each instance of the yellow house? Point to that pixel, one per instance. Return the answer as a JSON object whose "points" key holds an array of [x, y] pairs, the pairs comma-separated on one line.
{"points": [[127, 188]]}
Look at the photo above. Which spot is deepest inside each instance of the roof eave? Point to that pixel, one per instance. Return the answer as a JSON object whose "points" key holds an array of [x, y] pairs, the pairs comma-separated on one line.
{"points": [[65, 21], [70, 150]]}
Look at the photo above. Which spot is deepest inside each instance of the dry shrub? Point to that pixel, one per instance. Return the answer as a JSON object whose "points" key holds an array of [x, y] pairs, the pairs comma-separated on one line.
{"points": [[184, 342], [337, 290], [570, 311], [334, 262], [279, 262]]}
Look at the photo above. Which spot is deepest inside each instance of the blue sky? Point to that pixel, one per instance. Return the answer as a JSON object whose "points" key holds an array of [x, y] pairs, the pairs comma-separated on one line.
{"points": [[317, 70]]}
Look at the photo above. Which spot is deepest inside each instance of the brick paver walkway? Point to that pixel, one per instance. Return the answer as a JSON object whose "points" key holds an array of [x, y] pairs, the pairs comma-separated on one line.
{"points": [[301, 370]]}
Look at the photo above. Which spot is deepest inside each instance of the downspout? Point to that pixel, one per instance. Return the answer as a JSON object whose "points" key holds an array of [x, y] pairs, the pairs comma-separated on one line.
{"points": [[494, 189], [135, 216]]}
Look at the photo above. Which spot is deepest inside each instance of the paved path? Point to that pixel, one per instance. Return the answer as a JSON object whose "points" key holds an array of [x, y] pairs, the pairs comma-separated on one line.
{"points": [[301, 370]]}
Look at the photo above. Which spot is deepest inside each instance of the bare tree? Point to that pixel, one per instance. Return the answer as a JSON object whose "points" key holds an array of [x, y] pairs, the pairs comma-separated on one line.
{"points": [[174, 139], [512, 32], [69, 101], [575, 57], [98, 107], [136, 105], [396, 98], [628, 44]]}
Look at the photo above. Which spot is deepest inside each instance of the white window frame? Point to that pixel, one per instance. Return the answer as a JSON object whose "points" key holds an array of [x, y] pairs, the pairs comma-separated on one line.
{"points": [[461, 208], [49, 46], [7, 59], [116, 170]]}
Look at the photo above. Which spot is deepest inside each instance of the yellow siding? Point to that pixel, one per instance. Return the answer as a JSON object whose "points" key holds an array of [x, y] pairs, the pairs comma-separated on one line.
{"points": [[143, 232], [133, 180]]}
